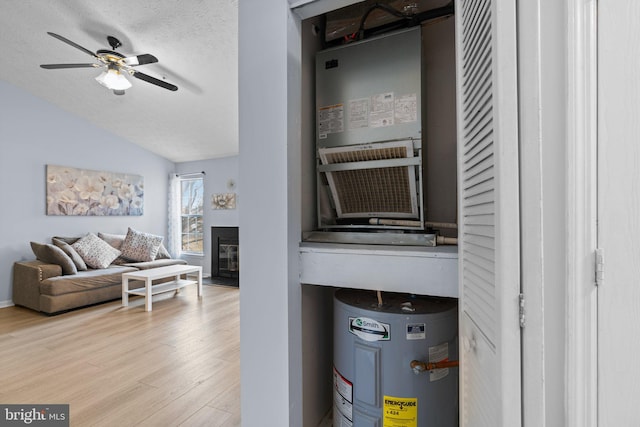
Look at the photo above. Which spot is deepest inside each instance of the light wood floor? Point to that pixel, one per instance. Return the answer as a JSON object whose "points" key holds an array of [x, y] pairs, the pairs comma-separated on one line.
{"points": [[178, 365]]}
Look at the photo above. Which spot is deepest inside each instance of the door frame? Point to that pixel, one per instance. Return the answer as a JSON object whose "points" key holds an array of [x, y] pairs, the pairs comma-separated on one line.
{"points": [[581, 392], [531, 212]]}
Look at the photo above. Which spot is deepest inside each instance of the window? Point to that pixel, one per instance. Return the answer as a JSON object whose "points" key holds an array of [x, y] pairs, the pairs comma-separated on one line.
{"points": [[191, 211]]}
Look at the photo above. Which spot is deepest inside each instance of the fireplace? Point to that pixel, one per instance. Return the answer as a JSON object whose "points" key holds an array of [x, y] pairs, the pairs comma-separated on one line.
{"points": [[225, 261]]}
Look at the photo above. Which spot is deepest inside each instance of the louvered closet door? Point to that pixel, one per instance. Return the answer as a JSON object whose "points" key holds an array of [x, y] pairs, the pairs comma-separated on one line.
{"points": [[490, 382]]}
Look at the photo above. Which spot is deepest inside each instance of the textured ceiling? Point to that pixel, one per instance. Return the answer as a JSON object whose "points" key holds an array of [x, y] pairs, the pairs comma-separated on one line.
{"points": [[195, 42]]}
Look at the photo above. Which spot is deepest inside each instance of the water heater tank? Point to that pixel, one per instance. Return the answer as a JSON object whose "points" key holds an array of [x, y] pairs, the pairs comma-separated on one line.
{"points": [[374, 345]]}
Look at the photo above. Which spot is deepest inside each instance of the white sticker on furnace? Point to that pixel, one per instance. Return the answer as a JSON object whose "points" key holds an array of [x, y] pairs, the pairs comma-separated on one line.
{"points": [[406, 109], [382, 106], [330, 120], [369, 329], [359, 113]]}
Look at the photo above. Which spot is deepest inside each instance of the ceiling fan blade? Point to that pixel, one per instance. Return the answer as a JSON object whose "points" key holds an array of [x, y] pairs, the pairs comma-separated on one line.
{"points": [[140, 60], [69, 42], [57, 66], [154, 81]]}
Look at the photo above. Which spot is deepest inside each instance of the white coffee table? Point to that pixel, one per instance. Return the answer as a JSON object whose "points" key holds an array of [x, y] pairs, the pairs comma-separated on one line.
{"points": [[148, 276]]}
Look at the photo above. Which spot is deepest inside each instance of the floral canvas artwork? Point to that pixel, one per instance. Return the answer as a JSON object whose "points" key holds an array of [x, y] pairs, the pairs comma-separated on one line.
{"points": [[223, 201], [72, 191]]}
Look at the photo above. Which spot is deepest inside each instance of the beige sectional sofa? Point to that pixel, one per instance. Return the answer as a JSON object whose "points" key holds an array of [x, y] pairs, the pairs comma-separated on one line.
{"points": [[41, 285]]}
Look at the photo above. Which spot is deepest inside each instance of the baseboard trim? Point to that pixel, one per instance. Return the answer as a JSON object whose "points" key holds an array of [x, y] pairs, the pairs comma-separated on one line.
{"points": [[7, 303]]}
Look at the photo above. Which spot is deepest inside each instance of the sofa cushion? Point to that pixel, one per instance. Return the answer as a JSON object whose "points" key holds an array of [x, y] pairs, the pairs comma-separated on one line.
{"points": [[54, 255], [139, 246], [95, 252], [84, 281], [67, 249]]}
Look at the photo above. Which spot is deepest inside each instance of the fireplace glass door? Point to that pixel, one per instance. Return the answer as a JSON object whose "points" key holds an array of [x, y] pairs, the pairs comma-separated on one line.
{"points": [[225, 260]]}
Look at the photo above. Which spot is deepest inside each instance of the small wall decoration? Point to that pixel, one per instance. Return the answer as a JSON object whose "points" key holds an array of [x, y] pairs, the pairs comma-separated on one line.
{"points": [[223, 201], [84, 192]]}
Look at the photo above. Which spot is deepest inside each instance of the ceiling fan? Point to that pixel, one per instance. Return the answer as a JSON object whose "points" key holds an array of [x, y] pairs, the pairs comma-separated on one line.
{"points": [[114, 66]]}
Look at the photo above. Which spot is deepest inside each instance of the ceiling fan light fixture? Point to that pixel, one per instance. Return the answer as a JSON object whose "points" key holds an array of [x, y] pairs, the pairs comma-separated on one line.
{"points": [[114, 63], [113, 79]]}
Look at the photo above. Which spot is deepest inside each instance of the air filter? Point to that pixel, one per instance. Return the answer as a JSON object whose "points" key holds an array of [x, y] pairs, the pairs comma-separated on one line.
{"points": [[372, 180]]}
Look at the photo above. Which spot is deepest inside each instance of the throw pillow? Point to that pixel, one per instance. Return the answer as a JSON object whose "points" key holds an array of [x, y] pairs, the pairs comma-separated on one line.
{"points": [[54, 255], [69, 240], [114, 240], [163, 253], [95, 252], [138, 246], [67, 249]]}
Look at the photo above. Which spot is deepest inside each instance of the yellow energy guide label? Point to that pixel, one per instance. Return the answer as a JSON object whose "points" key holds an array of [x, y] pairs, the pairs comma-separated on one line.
{"points": [[400, 411]]}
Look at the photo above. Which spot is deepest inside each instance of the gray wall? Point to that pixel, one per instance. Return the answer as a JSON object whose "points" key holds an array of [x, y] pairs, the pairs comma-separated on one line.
{"points": [[218, 172], [317, 301], [439, 122], [34, 133]]}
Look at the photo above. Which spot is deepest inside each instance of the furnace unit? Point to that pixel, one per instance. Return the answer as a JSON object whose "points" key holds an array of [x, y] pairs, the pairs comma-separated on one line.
{"points": [[368, 140]]}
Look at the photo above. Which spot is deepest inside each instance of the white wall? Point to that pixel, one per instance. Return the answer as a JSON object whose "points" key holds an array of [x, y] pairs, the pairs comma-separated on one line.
{"points": [[618, 213], [34, 133], [218, 172], [269, 132]]}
